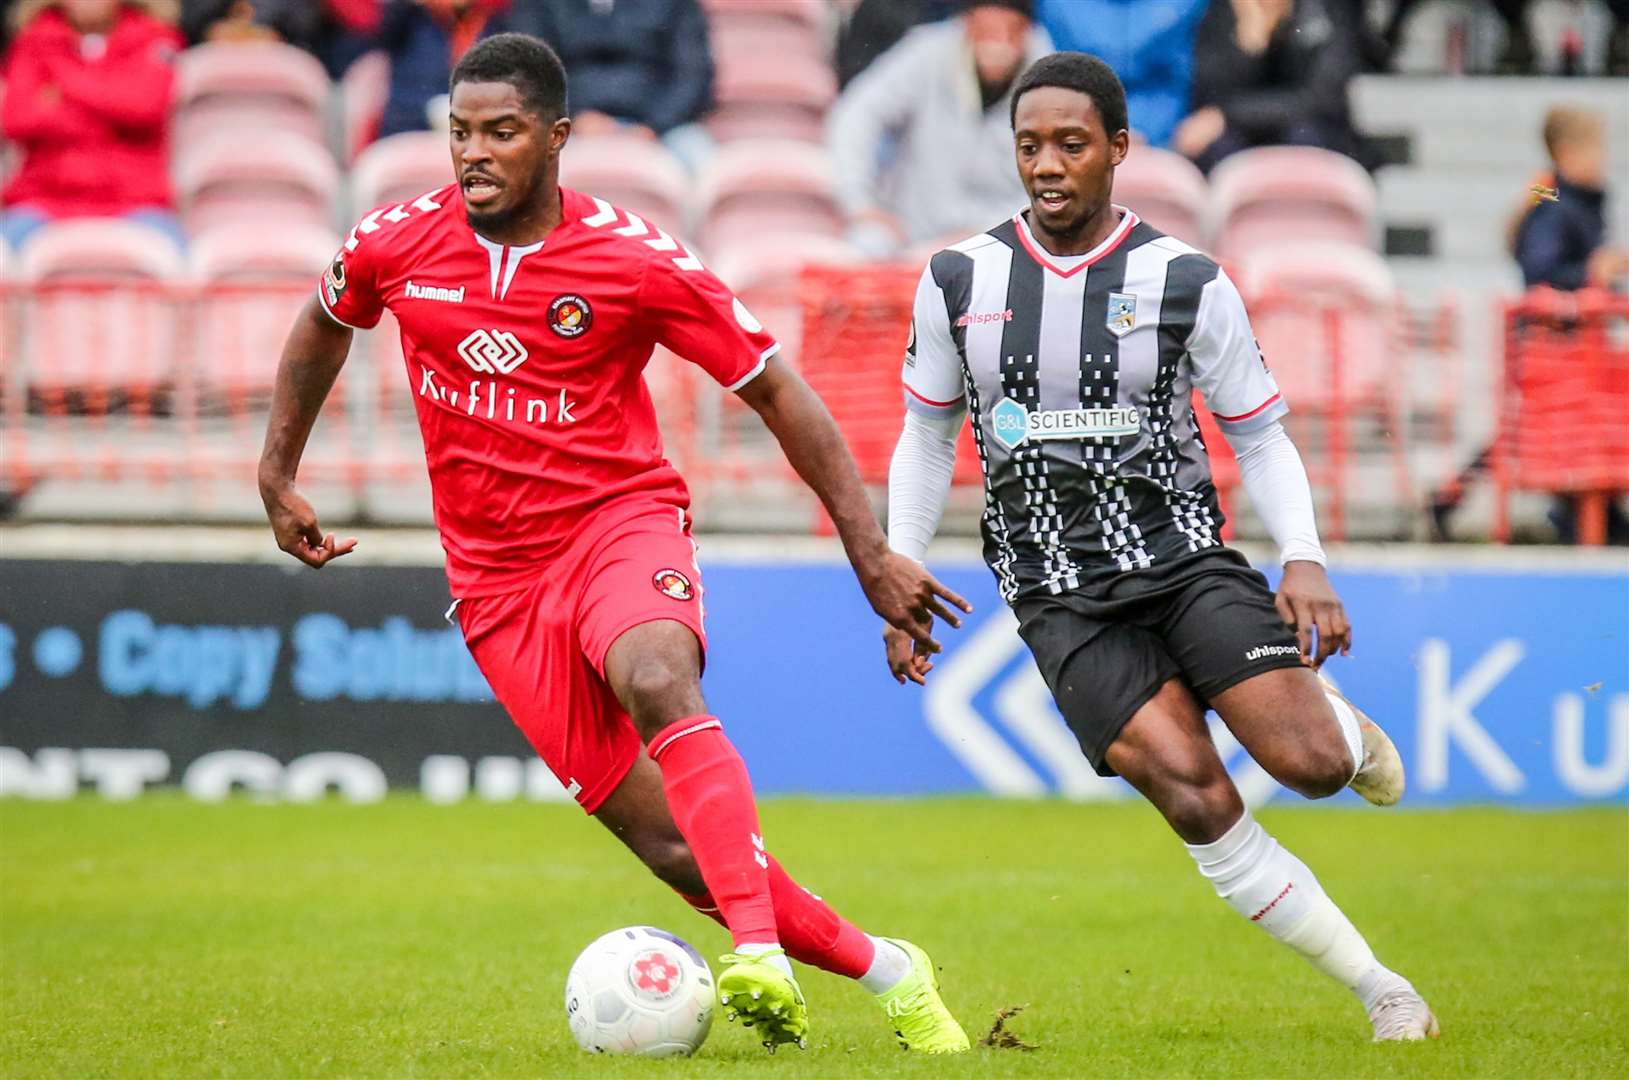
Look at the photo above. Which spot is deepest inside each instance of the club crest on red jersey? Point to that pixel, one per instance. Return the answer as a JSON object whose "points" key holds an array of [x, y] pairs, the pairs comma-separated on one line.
{"points": [[333, 279], [673, 583], [570, 316]]}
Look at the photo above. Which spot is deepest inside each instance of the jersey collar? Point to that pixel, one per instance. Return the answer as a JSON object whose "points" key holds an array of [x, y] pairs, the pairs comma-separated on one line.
{"points": [[1128, 221]]}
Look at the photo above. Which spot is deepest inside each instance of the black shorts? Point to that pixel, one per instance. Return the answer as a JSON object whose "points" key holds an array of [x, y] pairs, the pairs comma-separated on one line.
{"points": [[1106, 648]]}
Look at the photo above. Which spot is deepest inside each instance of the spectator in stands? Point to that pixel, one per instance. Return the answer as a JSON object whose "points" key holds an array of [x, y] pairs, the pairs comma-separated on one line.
{"points": [[87, 102], [293, 21], [1562, 242], [1150, 46], [921, 141], [346, 31], [643, 67], [1271, 72], [874, 26], [1559, 241], [424, 39]]}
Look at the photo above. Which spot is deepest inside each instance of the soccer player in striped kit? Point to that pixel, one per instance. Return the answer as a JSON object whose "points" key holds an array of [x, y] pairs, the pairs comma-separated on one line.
{"points": [[1074, 335]]}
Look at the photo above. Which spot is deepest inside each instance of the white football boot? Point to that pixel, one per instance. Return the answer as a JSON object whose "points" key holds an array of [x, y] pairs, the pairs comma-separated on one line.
{"points": [[1401, 1015], [1380, 778]]}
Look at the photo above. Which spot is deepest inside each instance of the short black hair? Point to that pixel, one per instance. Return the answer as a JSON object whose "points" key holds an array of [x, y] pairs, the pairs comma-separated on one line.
{"points": [[1077, 71], [524, 62]]}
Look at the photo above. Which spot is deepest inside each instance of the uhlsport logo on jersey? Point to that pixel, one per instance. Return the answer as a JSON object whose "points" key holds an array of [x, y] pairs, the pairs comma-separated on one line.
{"points": [[1013, 424], [493, 351], [570, 316], [1122, 314]]}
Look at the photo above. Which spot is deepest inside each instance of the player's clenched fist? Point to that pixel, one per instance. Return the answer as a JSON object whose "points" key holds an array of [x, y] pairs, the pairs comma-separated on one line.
{"points": [[294, 523], [908, 597]]}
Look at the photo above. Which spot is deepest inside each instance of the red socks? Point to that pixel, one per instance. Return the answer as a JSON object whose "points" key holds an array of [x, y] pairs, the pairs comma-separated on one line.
{"points": [[710, 796], [811, 932]]}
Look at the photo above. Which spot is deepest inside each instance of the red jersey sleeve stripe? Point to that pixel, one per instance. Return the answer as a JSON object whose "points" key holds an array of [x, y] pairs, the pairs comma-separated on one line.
{"points": [[930, 401], [1245, 416]]}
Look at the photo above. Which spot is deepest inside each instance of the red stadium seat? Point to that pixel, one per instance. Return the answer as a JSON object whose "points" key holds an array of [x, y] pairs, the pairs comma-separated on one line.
{"points": [[399, 168], [1166, 190], [1326, 319], [268, 176], [811, 14], [1264, 196], [363, 90], [766, 272], [735, 37], [636, 174], [765, 95], [763, 186], [254, 279], [99, 317], [279, 85]]}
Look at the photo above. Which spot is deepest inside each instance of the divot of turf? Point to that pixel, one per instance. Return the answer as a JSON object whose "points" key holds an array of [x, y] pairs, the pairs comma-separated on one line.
{"points": [[999, 1038]]}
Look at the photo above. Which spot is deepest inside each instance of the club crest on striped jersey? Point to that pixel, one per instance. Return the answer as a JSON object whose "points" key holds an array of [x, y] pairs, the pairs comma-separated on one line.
{"points": [[1122, 315], [673, 583], [570, 316]]}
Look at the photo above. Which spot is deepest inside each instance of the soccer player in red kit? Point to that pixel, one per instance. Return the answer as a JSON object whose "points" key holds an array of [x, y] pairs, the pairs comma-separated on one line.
{"points": [[527, 315]]}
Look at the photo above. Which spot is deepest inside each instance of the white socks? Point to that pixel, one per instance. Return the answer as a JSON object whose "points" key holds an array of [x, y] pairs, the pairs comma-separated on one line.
{"points": [[779, 960], [890, 964], [1348, 721], [1276, 891]]}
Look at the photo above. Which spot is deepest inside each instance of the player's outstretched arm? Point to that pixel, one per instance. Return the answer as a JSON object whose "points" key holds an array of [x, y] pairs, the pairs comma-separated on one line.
{"points": [[900, 589], [312, 356]]}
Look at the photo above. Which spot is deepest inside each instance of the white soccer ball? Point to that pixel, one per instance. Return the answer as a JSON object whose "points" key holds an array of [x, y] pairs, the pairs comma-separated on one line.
{"points": [[640, 990]]}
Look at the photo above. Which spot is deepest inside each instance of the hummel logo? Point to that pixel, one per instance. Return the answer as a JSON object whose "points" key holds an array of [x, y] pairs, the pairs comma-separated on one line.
{"points": [[434, 292], [492, 351]]}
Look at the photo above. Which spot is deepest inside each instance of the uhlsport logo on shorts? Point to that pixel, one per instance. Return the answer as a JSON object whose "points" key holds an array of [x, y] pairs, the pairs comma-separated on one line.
{"points": [[673, 583], [1013, 424], [496, 352]]}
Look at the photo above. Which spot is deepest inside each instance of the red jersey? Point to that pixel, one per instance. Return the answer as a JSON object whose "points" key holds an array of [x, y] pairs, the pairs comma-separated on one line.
{"points": [[525, 364]]}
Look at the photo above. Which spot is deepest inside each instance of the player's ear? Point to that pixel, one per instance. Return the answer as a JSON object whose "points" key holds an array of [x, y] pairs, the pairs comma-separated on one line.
{"points": [[1119, 146], [559, 132]]}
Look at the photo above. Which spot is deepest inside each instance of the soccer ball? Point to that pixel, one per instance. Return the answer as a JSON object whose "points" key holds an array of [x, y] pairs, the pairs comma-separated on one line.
{"points": [[640, 990]]}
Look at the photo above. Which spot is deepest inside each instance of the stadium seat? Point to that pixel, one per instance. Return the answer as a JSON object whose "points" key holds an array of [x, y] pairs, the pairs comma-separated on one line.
{"points": [[363, 90], [1264, 196], [253, 279], [765, 272], [99, 316], [764, 95], [1166, 190], [813, 15], [763, 186], [265, 176], [633, 173], [398, 168], [280, 85], [732, 37]]}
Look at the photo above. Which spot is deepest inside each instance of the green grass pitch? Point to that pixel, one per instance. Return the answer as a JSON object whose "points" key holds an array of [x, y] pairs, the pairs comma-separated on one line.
{"points": [[167, 938]]}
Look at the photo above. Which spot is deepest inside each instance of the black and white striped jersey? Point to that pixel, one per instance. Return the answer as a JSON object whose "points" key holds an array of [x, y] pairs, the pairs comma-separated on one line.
{"points": [[1078, 372]]}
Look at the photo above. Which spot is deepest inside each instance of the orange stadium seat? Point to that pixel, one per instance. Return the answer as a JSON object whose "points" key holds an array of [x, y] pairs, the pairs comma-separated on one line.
{"points": [[762, 186], [363, 90], [636, 174], [99, 317], [266, 176], [1166, 190], [268, 85], [1261, 197], [399, 168], [769, 95], [253, 279]]}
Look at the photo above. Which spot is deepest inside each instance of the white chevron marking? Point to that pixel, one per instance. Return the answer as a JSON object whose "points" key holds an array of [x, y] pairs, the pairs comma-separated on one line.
{"points": [[663, 242], [605, 214], [425, 203], [688, 262], [370, 224], [635, 227], [397, 214]]}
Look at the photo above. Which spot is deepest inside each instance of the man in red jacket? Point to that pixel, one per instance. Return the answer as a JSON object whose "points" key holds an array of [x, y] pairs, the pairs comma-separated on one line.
{"points": [[88, 102]]}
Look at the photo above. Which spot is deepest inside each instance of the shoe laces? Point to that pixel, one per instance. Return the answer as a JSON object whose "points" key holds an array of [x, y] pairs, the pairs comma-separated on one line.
{"points": [[1392, 1013]]}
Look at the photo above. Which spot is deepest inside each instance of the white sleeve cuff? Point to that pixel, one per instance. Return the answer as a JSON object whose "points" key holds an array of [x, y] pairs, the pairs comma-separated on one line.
{"points": [[919, 480], [1276, 481]]}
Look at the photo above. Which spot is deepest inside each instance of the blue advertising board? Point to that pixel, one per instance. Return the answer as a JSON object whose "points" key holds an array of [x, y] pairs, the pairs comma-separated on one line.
{"points": [[1498, 684]]}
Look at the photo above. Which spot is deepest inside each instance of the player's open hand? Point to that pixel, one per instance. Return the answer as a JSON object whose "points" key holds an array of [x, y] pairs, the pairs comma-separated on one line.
{"points": [[1307, 602], [294, 523], [907, 658], [908, 598]]}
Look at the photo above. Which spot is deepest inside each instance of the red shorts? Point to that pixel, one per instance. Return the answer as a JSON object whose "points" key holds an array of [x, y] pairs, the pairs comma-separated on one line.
{"points": [[542, 648]]}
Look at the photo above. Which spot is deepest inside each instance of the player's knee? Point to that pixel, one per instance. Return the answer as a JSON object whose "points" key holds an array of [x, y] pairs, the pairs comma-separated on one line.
{"points": [[1316, 770], [656, 692]]}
